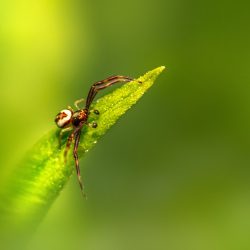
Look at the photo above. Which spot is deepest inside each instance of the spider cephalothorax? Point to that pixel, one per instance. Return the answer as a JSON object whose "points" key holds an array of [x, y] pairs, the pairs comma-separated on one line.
{"points": [[79, 116], [69, 120]]}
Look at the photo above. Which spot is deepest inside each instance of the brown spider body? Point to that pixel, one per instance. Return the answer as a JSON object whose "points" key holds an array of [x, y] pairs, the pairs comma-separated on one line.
{"points": [[80, 116], [68, 119]]}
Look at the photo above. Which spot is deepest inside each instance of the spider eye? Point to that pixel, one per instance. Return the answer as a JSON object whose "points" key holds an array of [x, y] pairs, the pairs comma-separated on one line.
{"points": [[63, 118]]}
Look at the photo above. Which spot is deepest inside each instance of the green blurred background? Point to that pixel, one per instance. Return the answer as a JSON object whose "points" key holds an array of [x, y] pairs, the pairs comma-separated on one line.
{"points": [[174, 172]]}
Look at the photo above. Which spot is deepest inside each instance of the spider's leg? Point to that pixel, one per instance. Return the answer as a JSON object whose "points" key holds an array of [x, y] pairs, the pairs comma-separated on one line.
{"points": [[77, 139], [69, 108], [77, 102], [104, 84], [69, 141], [92, 124], [61, 134], [95, 111]]}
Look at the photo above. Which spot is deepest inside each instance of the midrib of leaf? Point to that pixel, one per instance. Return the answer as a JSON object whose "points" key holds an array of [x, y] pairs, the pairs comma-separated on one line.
{"points": [[42, 174]]}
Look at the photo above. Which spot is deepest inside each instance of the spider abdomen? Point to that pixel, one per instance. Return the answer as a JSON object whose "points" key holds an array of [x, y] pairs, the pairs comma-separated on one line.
{"points": [[63, 118]]}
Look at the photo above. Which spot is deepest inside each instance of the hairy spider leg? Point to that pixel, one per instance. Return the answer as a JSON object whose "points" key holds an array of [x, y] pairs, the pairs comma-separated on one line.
{"points": [[75, 135], [69, 141], [102, 85], [77, 139], [62, 131], [77, 102], [95, 111], [71, 109]]}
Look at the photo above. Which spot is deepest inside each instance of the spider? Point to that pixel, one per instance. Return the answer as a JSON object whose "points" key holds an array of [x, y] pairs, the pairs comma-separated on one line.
{"points": [[68, 119]]}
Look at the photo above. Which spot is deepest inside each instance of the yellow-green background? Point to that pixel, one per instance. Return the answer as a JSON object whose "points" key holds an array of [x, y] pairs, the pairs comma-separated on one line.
{"points": [[174, 172]]}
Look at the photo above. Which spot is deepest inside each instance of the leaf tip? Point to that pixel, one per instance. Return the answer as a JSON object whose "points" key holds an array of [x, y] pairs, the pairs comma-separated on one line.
{"points": [[161, 68], [152, 75], [158, 70]]}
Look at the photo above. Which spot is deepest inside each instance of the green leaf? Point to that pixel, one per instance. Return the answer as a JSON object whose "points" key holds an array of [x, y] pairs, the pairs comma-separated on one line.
{"points": [[40, 177]]}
